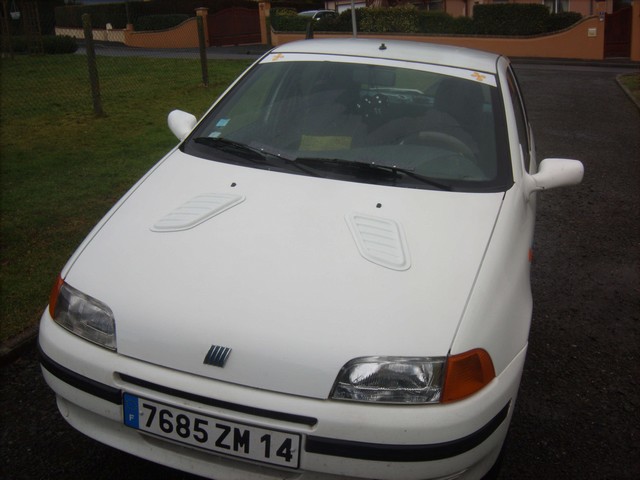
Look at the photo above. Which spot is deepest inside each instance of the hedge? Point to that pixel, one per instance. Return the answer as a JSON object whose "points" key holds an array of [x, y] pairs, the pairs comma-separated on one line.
{"points": [[52, 44], [510, 19], [562, 20], [381, 20], [496, 19]]}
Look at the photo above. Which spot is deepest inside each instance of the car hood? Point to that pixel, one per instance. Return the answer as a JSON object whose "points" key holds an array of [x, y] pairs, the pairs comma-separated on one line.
{"points": [[296, 275]]}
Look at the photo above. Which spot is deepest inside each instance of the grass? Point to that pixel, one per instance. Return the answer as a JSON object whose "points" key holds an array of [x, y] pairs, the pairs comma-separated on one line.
{"points": [[632, 84], [62, 168]]}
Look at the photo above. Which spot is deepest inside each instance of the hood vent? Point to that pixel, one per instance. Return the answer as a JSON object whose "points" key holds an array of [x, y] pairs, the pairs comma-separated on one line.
{"points": [[380, 240], [197, 210]]}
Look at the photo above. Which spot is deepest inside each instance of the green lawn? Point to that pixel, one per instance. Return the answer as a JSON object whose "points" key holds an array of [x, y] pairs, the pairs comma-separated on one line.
{"points": [[61, 168], [632, 83]]}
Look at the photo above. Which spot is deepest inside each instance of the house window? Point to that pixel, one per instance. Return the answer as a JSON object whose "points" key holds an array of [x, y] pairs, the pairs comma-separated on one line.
{"points": [[557, 6], [435, 5]]}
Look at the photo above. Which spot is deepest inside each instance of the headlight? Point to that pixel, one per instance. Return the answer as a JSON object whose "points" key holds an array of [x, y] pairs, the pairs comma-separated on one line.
{"points": [[414, 380], [391, 380], [83, 315]]}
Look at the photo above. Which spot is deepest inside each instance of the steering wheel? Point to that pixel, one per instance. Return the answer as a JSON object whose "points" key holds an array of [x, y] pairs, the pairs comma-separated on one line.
{"points": [[439, 139]]}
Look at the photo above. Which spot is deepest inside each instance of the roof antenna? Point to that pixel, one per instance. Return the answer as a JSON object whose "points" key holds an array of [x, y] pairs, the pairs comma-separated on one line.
{"points": [[353, 19]]}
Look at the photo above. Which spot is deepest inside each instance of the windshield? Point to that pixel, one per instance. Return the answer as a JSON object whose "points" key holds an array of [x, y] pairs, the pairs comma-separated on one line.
{"points": [[400, 124]]}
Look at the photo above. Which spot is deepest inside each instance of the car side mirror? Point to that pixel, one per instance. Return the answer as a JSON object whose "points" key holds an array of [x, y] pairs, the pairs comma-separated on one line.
{"points": [[181, 123], [553, 173]]}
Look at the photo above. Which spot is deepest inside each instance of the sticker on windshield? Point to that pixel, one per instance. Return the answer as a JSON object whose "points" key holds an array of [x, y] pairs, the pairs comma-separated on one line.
{"points": [[222, 122]]}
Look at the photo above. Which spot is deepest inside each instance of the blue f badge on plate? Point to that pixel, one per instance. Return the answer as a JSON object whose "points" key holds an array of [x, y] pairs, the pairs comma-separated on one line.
{"points": [[131, 411]]}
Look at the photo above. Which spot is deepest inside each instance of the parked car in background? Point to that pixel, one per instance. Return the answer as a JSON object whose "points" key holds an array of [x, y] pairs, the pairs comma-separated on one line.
{"points": [[327, 277], [317, 14]]}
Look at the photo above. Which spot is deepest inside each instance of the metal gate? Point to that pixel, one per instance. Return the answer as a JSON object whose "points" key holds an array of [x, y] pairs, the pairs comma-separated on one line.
{"points": [[617, 33], [234, 26]]}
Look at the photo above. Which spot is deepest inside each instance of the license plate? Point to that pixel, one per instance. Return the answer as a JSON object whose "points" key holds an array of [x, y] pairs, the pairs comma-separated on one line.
{"points": [[211, 433]]}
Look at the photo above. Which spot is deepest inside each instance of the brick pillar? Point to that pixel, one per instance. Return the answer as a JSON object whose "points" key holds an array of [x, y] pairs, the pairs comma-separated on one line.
{"points": [[264, 10], [635, 30]]}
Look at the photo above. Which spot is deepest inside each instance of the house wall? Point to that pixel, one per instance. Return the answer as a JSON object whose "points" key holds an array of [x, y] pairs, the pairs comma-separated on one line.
{"points": [[184, 35], [99, 34]]}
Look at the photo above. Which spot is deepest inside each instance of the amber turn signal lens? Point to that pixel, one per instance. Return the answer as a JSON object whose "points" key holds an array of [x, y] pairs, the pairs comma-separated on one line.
{"points": [[466, 374], [53, 297]]}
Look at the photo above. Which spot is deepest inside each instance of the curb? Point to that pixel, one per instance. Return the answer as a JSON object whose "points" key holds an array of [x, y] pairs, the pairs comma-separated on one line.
{"points": [[627, 91], [12, 348]]}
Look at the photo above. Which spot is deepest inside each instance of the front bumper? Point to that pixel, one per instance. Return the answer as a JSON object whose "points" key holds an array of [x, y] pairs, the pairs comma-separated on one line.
{"points": [[458, 440]]}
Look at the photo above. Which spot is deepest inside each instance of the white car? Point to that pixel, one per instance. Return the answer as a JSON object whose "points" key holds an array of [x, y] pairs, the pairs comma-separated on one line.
{"points": [[317, 14], [328, 277]]}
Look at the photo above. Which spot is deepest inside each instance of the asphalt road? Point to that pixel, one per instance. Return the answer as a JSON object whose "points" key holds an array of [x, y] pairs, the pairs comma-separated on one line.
{"points": [[577, 415]]}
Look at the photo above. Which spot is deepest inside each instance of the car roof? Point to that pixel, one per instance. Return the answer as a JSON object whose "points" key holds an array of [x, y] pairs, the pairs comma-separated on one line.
{"points": [[429, 53], [313, 12]]}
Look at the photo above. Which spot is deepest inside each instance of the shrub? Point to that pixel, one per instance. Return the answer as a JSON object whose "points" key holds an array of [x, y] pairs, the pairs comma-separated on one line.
{"points": [[159, 22], [463, 26], [52, 45], [510, 19], [329, 24], [59, 44], [560, 21], [495, 19], [343, 22], [287, 20], [399, 19], [19, 44], [437, 22]]}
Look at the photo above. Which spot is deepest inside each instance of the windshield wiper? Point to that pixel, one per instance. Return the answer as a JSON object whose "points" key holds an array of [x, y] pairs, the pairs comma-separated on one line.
{"points": [[372, 168], [254, 152], [246, 151]]}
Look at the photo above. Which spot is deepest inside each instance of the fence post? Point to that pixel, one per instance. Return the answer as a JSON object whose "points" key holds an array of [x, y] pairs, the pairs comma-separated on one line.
{"points": [[267, 21], [309, 30], [203, 52], [93, 68]]}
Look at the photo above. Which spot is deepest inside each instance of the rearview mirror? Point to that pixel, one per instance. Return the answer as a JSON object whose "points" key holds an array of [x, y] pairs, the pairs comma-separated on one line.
{"points": [[181, 123], [555, 172]]}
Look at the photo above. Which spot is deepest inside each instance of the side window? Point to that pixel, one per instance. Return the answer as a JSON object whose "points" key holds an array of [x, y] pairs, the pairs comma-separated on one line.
{"points": [[521, 119]]}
